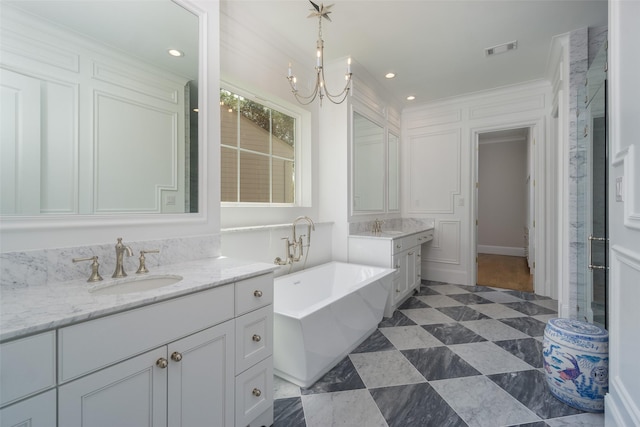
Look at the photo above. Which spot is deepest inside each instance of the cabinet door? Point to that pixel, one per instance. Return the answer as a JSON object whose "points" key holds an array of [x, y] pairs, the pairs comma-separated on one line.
{"points": [[412, 272], [37, 411], [201, 378], [131, 393], [400, 278]]}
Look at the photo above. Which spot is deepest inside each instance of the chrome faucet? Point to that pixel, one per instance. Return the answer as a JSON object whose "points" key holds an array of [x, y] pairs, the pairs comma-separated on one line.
{"points": [[120, 250], [295, 249]]}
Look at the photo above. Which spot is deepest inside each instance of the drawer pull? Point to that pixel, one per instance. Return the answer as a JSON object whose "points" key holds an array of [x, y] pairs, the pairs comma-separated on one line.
{"points": [[398, 265], [257, 293], [162, 363], [256, 392], [256, 338], [411, 253], [176, 357], [398, 246]]}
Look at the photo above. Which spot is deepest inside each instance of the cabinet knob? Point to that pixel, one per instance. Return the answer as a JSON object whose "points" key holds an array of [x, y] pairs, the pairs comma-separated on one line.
{"points": [[397, 265], [257, 293], [256, 338], [411, 253], [397, 290], [162, 363], [398, 246], [176, 357], [256, 392]]}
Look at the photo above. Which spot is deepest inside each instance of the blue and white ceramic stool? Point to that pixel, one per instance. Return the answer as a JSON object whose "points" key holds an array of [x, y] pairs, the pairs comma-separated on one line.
{"points": [[576, 362]]}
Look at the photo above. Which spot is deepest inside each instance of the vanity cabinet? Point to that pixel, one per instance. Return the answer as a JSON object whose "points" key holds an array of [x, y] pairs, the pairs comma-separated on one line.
{"points": [[402, 253], [200, 359]]}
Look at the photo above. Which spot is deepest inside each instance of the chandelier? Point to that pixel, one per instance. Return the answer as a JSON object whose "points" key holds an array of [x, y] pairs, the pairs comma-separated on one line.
{"points": [[320, 89]]}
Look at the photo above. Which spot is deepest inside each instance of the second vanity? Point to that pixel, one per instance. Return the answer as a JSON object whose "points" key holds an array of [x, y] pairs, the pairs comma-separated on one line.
{"points": [[198, 352], [399, 249]]}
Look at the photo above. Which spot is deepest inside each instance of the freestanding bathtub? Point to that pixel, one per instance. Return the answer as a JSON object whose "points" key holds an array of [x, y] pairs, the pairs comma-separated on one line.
{"points": [[322, 313]]}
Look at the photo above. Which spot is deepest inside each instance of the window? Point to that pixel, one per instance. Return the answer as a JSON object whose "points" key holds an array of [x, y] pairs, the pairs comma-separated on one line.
{"points": [[257, 152]]}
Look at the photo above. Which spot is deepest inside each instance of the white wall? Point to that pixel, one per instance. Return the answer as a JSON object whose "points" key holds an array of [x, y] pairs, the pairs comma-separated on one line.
{"points": [[623, 401], [502, 197], [439, 143]]}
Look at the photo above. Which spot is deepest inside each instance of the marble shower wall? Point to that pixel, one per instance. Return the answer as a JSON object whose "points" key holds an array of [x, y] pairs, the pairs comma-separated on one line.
{"points": [[583, 47]]}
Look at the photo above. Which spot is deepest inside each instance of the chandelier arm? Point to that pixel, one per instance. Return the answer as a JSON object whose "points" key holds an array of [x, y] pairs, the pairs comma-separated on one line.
{"points": [[331, 95]]}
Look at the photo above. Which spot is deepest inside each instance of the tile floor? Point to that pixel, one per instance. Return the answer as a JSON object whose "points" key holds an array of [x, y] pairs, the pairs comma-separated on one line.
{"points": [[451, 355]]}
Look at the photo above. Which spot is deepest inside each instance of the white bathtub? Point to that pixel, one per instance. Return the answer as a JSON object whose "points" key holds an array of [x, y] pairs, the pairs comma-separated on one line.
{"points": [[322, 313]]}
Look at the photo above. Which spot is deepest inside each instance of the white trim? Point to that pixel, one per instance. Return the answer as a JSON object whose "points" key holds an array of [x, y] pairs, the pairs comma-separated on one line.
{"points": [[501, 250]]}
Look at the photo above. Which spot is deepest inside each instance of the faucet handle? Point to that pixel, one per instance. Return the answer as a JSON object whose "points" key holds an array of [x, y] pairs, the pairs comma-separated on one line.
{"points": [[142, 268], [95, 274]]}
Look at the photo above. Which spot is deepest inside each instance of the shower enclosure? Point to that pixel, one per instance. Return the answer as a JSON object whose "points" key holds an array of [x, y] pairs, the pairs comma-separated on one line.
{"points": [[592, 195]]}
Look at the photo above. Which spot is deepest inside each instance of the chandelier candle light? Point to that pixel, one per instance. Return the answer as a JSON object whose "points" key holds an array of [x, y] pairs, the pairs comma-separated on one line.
{"points": [[320, 89]]}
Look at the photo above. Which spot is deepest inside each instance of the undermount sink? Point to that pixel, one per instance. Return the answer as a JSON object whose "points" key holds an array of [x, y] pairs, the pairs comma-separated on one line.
{"points": [[136, 284], [392, 232]]}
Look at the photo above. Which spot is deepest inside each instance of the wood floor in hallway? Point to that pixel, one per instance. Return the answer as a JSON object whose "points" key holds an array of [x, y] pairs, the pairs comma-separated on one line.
{"points": [[501, 271]]}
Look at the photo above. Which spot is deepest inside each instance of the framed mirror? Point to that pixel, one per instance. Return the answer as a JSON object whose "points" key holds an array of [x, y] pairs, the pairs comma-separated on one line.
{"points": [[393, 179], [99, 108], [368, 165], [122, 77]]}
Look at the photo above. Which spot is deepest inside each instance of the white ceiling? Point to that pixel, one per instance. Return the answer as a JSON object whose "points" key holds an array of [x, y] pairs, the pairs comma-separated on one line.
{"points": [[435, 47]]}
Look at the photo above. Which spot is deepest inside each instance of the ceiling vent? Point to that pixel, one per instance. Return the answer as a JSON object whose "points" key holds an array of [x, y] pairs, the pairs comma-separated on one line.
{"points": [[501, 48]]}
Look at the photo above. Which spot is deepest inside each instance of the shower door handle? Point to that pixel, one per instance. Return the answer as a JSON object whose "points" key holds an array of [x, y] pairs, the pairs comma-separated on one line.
{"points": [[597, 239]]}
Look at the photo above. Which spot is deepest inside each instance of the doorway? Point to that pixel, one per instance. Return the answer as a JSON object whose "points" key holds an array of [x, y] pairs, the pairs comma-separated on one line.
{"points": [[505, 250]]}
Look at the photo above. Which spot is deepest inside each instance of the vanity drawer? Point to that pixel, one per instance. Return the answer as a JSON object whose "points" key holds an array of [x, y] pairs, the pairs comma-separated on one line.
{"points": [[27, 366], [254, 337], [425, 236], [254, 392], [95, 344], [254, 293]]}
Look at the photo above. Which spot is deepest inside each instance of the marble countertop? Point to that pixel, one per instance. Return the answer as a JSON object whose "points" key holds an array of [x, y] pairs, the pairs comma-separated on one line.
{"points": [[29, 310], [393, 234]]}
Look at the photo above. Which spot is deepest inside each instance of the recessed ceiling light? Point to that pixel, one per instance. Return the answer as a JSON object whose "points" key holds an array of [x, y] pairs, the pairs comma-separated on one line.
{"points": [[410, 98], [175, 52], [390, 75]]}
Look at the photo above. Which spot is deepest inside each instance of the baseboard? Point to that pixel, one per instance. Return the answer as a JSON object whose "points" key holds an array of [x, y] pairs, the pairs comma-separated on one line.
{"points": [[501, 250], [447, 276]]}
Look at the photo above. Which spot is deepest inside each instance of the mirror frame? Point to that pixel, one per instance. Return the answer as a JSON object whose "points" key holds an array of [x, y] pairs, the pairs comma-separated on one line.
{"points": [[55, 231]]}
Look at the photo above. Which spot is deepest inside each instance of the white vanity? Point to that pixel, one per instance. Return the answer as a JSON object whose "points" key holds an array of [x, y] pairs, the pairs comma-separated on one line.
{"points": [[195, 353], [398, 249]]}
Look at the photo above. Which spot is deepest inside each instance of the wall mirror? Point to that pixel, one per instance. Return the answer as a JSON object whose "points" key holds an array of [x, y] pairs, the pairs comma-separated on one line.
{"points": [[393, 181], [368, 165], [98, 117]]}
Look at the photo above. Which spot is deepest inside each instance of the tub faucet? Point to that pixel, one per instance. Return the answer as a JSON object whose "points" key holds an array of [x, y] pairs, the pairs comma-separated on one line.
{"points": [[120, 250], [295, 249], [310, 226]]}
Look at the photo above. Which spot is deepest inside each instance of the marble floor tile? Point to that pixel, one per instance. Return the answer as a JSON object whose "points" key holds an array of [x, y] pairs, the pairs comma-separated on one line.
{"points": [[500, 297], [413, 302], [283, 388], [453, 333], [343, 408], [439, 363], [528, 296], [398, 319], [462, 313], [467, 299], [426, 316], [415, 405], [438, 301], [494, 330], [533, 424], [423, 291], [407, 337], [529, 308], [547, 303], [530, 389], [385, 368], [545, 317], [527, 349], [496, 311], [481, 403], [528, 325], [488, 358], [477, 288], [375, 342], [288, 413], [582, 420], [342, 377], [448, 289]]}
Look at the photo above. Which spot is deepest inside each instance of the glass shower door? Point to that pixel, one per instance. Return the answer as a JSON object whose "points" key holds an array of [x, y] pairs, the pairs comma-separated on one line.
{"points": [[592, 195]]}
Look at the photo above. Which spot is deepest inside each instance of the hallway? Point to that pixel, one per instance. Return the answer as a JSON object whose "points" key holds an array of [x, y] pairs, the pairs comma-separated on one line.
{"points": [[502, 271], [452, 355]]}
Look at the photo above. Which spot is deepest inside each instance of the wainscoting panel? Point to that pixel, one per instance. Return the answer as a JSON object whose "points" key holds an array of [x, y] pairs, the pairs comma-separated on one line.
{"points": [[434, 171], [445, 246]]}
